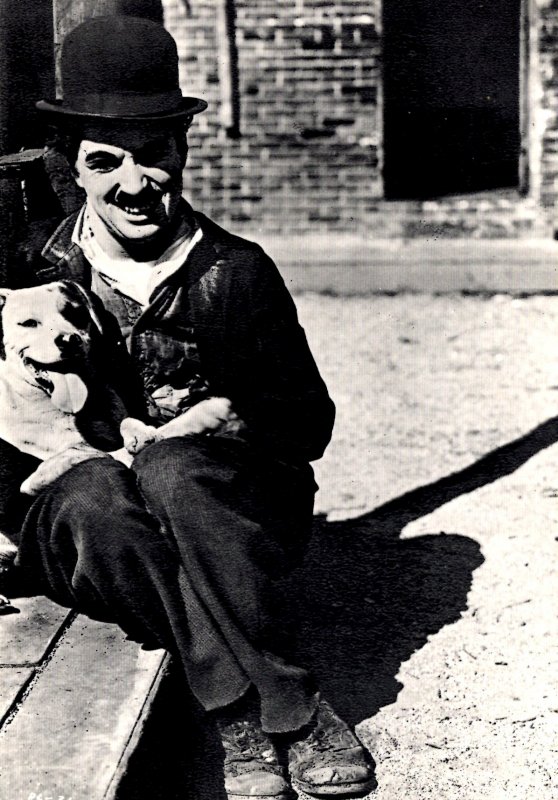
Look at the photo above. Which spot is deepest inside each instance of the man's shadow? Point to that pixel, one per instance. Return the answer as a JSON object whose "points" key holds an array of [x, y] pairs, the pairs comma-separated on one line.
{"points": [[370, 599]]}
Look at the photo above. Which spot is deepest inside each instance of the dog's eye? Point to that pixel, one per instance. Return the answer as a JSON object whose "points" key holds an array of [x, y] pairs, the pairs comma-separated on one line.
{"points": [[29, 323]]}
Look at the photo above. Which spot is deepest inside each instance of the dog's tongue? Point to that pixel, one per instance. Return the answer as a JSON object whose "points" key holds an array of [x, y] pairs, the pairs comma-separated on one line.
{"points": [[69, 393]]}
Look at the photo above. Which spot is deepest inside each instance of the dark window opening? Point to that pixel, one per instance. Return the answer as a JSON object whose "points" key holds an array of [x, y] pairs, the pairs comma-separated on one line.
{"points": [[451, 96]]}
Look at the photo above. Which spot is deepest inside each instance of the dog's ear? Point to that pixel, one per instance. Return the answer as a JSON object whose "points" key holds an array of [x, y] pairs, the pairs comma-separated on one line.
{"points": [[77, 291]]}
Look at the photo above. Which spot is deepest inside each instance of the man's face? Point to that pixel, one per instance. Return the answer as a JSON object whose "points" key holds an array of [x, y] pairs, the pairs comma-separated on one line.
{"points": [[132, 179]]}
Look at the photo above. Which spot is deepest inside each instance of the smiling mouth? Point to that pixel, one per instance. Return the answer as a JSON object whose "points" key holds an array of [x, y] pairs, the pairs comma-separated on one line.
{"points": [[39, 374], [61, 382], [143, 210]]}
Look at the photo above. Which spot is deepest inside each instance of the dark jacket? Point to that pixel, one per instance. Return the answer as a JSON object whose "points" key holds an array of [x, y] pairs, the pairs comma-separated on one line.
{"points": [[251, 347]]}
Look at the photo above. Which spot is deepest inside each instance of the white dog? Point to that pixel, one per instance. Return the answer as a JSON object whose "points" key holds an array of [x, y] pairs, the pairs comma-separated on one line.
{"points": [[47, 335], [46, 374], [51, 336]]}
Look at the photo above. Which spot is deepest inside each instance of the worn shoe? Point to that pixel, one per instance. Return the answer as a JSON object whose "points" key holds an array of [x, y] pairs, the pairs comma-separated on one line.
{"points": [[328, 759], [251, 764]]}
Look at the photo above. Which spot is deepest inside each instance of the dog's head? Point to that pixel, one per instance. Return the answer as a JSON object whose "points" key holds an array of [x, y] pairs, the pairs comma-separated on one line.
{"points": [[46, 336]]}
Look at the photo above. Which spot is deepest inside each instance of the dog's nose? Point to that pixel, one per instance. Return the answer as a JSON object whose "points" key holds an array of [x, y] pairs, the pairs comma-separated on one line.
{"points": [[67, 342]]}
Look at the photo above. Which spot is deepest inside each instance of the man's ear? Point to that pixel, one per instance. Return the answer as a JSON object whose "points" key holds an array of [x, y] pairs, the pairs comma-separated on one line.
{"points": [[3, 296]]}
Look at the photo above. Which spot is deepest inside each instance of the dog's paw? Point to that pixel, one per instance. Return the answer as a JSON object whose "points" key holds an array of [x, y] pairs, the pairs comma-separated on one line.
{"points": [[5, 606], [210, 414], [136, 435], [8, 552], [31, 485], [56, 466]]}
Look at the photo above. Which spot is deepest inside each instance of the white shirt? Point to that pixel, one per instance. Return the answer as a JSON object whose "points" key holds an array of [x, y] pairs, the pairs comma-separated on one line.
{"points": [[135, 279]]}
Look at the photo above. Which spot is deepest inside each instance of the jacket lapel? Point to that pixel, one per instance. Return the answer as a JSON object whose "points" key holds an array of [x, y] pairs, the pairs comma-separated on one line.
{"points": [[64, 259], [204, 274]]}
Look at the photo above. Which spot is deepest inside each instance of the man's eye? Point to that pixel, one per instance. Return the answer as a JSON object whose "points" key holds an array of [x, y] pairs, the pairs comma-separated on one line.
{"points": [[29, 323], [102, 164]]}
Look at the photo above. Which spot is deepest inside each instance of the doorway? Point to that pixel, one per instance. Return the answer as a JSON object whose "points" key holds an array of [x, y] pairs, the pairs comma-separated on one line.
{"points": [[451, 96]]}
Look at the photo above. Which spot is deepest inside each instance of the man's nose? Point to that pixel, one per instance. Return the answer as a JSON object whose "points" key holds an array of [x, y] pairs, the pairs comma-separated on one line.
{"points": [[132, 177]]}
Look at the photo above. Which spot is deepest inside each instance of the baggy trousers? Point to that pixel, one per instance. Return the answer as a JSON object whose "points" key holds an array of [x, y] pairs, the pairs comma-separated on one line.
{"points": [[185, 550]]}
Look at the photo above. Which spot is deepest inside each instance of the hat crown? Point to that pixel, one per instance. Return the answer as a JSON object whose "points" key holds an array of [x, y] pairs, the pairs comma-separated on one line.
{"points": [[112, 55], [120, 67]]}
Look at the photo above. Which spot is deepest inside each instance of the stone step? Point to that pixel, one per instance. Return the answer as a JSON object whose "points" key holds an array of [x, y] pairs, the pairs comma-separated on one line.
{"points": [[73, 719]]}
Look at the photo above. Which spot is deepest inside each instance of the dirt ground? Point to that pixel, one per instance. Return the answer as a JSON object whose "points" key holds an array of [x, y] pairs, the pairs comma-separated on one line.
{"points": [[430, 585], [431, 581]]}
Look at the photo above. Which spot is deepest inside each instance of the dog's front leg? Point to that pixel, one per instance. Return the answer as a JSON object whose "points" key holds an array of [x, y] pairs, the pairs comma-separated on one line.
{"points": [[55, 466], [8, 552], [123, 456]]}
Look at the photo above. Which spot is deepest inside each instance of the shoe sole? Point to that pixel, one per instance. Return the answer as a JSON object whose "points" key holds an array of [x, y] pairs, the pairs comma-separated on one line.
{"points": [[284, 796], [339, 790]]}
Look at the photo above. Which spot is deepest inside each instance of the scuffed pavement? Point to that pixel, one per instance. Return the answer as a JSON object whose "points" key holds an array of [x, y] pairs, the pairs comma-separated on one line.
{"points": [[431, 581]]}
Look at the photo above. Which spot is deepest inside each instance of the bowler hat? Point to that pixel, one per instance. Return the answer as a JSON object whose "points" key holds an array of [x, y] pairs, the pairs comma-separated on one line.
{"points": [[122, 68]]}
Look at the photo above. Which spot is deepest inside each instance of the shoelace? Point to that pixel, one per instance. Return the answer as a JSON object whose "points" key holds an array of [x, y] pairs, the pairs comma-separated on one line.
{"points": [[318, 741], [242, 743]]}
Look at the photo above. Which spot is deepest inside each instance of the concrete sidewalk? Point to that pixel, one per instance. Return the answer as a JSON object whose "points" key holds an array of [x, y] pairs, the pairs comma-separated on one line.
{"points": [[347, 264], [432, 578]]}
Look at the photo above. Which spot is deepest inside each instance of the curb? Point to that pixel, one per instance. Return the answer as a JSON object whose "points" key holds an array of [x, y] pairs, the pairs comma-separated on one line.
{"points": [[351, 265]]}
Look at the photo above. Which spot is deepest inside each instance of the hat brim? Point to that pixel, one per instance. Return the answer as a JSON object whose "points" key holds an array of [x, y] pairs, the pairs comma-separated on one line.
{"points": [[189, 106]]}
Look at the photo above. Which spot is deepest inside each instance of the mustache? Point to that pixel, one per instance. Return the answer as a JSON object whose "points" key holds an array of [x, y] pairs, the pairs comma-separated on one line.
{"points": [[147, 196], [151, 194]]}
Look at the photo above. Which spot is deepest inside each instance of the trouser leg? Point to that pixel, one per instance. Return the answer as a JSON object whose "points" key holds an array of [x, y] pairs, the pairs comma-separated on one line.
{"points": [[93, 546], [236, 517], [197, 574]]}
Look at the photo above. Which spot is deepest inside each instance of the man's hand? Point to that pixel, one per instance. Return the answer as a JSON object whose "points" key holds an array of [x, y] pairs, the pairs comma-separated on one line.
{"points": [[212, 415], [51, 469]]}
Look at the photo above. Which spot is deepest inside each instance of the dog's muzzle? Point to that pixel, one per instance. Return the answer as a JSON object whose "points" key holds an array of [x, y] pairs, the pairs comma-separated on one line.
{"points": [[67, 390]]}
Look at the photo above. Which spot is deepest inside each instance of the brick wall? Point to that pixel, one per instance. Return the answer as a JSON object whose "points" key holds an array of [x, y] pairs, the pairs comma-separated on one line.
{"points": [[546, 110], [309, 153], [309, 81]]}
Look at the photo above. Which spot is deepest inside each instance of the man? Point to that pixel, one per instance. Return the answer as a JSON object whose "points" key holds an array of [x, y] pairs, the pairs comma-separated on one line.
{"points": [[188, 546]]}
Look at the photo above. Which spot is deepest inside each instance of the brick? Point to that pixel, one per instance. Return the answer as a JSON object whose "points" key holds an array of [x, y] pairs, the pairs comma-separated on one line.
{"points": [[306, 68]]}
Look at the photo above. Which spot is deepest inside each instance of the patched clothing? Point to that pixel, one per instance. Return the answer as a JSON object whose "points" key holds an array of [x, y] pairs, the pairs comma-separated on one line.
{"points": [[228, 305], [188, 548]]}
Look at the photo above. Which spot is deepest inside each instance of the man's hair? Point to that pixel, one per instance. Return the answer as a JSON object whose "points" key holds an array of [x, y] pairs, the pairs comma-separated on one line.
{"points": [[66, 139]]}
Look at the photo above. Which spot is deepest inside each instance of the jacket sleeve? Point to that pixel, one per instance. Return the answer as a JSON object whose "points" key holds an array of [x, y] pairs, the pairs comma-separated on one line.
{"points": [[279, 392]]}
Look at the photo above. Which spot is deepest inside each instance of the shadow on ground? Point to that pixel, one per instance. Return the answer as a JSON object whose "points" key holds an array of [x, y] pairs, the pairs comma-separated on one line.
{"points": [[370, 600]]}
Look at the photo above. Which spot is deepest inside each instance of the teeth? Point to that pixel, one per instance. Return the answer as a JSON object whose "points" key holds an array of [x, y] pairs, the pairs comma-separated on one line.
{"points": [[137, 210], [41, 376]]}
